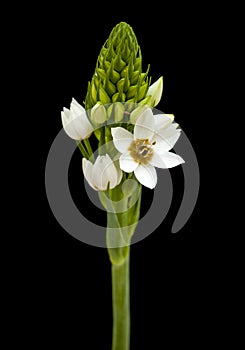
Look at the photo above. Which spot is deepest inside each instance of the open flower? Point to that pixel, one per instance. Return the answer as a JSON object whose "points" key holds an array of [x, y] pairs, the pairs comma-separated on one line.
{"points": [[148, 147], [102, 173], [75, 121]]}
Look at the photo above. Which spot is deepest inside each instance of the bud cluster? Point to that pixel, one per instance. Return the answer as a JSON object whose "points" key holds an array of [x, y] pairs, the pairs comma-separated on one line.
{"points": [[118, 75]]}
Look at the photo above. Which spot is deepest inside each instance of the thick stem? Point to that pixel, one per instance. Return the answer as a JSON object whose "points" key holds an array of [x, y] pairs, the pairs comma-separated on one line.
{"points": [[121, 306]]}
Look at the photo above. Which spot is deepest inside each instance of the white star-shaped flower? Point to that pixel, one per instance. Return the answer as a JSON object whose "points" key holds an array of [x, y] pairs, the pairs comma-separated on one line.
{"points": [[75, 121], [148, 147]]}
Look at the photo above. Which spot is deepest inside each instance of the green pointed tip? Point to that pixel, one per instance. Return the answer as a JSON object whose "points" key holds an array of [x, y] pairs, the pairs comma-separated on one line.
{"points": [[118, 75]]}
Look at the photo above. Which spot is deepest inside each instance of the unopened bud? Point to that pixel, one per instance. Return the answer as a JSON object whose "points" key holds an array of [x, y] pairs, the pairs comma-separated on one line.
{"points": [[155, 91], [103, 96], [132, 91], [93, 91], [119, 96], [101, 73], [119, 63], [135, 77], [98, 114], [142, 91], [110, 87], [118, 112], [145, 101]]}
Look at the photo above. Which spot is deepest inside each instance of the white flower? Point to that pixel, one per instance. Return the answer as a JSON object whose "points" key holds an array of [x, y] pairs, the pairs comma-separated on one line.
{"points": [[75, 121], [102, 173], [154, 136], [155, 91]]}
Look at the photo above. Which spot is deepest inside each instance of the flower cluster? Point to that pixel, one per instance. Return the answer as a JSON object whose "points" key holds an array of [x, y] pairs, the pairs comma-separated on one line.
{"points": [[139, 152], [118, 105]]}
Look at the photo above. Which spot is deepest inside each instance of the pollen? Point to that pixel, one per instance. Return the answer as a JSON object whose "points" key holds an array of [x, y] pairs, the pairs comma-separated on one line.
{"points": [[141, 151]]}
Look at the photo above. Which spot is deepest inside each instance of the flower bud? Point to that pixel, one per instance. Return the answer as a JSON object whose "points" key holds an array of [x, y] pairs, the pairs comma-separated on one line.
{"points": [[110, 87], [93, 91], [119, 96], [101, 73], [113, 74], [155, 91], [75, 121], [116, 112], [142, 91], [132, 91], [118, 70], [98, 114], [145, 101], [103, 96]]}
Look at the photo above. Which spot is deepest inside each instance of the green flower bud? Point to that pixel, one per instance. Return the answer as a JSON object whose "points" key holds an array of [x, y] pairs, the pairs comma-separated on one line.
{"points": [[145, 101], [110, 87], [155, 91], [135, 77], [132, 91], [103, 96], [142, 91], [116, 113], [114, 76], [101, 73], [119, 97], [98, 114], [118, 75], [93, 91]]}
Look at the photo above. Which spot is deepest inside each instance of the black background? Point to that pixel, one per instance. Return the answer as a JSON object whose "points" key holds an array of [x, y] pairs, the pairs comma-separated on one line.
{"points": [[171, 279]]}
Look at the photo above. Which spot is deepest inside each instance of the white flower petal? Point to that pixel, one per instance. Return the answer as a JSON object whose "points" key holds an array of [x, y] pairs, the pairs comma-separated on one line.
{"points": [[103, 172], [163, 120], [165, 138], [75, 122], [69, 128], [121, 138], [144, 127], [87, 171], [155, 90], [83, 127], [63, 119], [146, 175], [76, 108], [110, 172], [127, 163], [164, 145], [66, 112], [166, 160], [98, 178]]}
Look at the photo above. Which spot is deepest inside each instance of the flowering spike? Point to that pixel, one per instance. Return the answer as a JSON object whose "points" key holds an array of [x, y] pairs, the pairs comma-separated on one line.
{"points": [[118, 70]]}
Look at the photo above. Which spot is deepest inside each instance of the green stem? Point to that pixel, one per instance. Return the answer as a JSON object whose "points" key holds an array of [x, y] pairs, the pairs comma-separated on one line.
{"points": [[82, 149], [89, 149], [121, 306]]}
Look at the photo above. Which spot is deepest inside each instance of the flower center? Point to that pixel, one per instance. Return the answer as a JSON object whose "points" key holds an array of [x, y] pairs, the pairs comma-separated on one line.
{"points": [[141, 151]]}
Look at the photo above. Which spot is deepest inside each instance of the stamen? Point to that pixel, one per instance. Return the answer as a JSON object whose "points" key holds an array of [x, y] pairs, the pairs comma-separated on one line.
{"points": [[141, 151]]}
